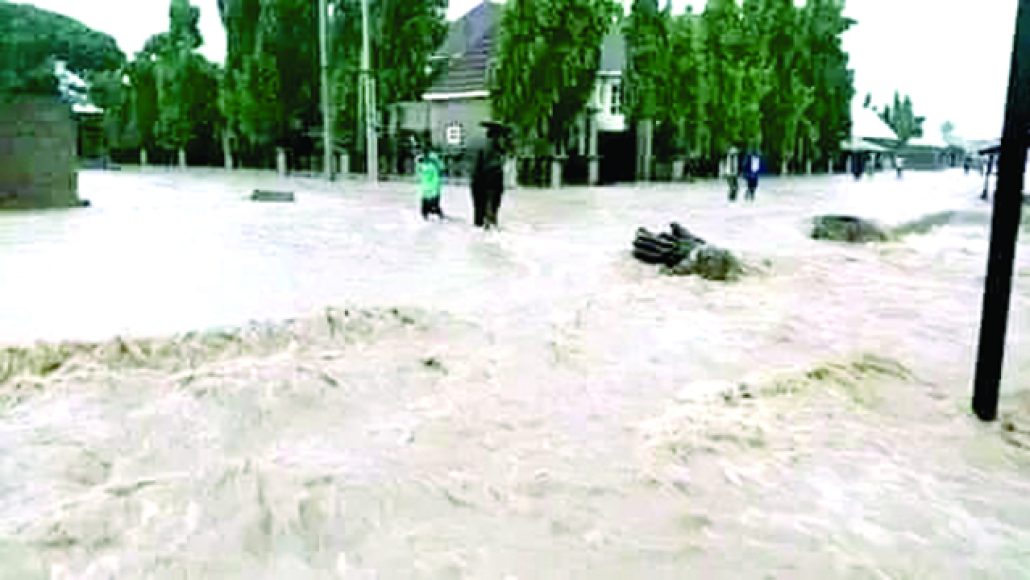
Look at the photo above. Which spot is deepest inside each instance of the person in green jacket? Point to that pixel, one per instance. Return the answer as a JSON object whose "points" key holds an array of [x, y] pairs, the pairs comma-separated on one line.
{"points": [[430, 179]]}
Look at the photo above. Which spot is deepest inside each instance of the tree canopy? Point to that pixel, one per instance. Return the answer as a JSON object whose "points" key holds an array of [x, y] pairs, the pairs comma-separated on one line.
{"points": [[31, 39], [762, 74], [547, 63], [900, 117]]}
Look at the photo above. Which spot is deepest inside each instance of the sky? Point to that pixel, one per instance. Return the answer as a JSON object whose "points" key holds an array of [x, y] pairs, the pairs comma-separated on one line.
{"points": [[951, 56]]}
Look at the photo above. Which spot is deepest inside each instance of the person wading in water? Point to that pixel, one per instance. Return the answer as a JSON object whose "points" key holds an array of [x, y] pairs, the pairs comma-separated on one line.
{"points": [[488, 177]]}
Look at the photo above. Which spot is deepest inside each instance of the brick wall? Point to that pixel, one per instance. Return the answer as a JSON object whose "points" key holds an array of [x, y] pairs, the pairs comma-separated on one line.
{"points": [[37, 153]]}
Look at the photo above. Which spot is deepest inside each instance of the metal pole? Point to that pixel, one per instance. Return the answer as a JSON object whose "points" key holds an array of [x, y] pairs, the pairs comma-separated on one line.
{"points": [[1008, 202], [371, 139], [327, 120]]}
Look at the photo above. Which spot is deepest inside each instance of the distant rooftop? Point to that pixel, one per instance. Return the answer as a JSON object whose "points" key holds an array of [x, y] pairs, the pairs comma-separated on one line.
{"points": [[469, 47]]}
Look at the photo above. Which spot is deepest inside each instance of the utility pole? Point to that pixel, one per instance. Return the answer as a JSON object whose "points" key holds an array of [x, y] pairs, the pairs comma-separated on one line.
{"points": [[1008, 204], [371, 138], [327, 109]]}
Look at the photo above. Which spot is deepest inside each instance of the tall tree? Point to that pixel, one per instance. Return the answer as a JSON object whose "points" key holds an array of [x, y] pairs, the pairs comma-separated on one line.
{"points": [[31, 39], [187, 84], [902, 119], [646, 78], [547, 65], [685, 99], [826, 72]]}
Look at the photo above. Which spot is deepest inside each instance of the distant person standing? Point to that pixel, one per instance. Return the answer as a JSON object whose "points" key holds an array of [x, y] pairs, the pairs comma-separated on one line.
{"points": [[858, 165], [488, 177], [752, 169], [899, 164], [731, 171], [966, 165], [430, 177]]}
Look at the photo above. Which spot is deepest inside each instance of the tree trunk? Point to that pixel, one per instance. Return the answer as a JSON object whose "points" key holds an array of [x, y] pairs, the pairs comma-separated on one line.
{"points": [[143, 157], [182, 158]]}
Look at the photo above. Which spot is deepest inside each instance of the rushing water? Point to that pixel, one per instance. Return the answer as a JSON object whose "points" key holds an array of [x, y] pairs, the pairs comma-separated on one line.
{"points": [[529, 403]]}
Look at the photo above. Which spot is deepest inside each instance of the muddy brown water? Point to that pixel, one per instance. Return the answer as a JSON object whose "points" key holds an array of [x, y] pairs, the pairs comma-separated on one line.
{"points": [[530, 403]]}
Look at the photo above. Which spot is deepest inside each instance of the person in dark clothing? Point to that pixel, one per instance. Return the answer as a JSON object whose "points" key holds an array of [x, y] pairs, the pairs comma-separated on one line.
{"points": [[488, 177], [858, 165], [730, 169], [752, 169]]}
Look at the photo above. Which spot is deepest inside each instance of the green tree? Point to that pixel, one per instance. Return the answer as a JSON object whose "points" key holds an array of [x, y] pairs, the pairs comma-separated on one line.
{"points": [[404, 35], [826, 72], [685, 100], [270, 93], [270, 86], [31, 39], [187, 84], [646, 78], [902, 119], [547, 64]]}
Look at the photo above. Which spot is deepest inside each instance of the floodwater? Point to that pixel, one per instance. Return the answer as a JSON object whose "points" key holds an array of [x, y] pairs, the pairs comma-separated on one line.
{"points": [[334, 389]]}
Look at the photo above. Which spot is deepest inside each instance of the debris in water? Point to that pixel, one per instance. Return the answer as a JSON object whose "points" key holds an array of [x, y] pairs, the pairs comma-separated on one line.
{"points": [[844, 228]]}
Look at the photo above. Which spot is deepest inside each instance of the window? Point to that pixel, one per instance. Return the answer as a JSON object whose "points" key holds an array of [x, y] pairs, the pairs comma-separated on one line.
{"points": [[454, 134], [615, 104]]}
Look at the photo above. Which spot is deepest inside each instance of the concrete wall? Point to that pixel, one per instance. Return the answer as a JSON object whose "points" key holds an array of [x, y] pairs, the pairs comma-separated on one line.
{"points": [[468, 113], [37, 153]]}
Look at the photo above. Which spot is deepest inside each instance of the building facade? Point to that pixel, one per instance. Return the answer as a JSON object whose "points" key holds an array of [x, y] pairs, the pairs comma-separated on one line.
{"points": [[460, 98]]}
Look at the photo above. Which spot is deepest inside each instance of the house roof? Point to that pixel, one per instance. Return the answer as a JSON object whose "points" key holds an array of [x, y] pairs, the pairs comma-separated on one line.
{"points": [[467, 50], [859, 144], [470, 44], [866, 124]]}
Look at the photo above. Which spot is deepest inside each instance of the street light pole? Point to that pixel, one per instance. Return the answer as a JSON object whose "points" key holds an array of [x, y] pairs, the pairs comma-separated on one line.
{"points": [[327, 109], [1008, 204], [371, 139]]}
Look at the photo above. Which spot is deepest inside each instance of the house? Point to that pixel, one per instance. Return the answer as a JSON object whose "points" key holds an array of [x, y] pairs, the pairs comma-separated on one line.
{"points": [[869, 136], [73, 90], [459, 100]]}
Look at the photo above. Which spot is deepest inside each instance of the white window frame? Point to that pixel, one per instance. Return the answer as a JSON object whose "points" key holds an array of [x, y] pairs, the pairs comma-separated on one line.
{"points": [[615, 99], [454, 134]]}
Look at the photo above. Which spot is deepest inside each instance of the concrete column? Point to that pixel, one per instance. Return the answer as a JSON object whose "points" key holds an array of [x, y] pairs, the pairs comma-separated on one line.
{"points": [[593, 160], [227, 152], [645, 142], [182, 158], [344, 163], [556, 167], [280, 161], [511, 170], [678, 166]]}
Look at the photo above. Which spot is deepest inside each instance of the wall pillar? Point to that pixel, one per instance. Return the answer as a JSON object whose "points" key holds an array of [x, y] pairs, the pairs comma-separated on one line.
{"points": [[280, 161]]}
